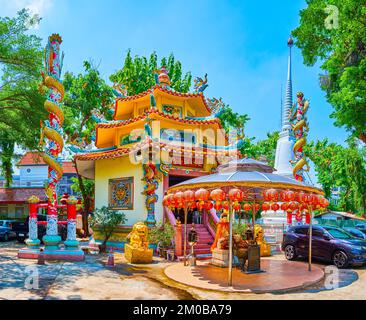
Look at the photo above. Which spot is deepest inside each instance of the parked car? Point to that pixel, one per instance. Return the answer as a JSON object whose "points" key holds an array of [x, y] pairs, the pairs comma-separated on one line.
{"points": [[355, 232], [330, 244], [6, 234], [6, 223], [361, 227], [21, 228]]}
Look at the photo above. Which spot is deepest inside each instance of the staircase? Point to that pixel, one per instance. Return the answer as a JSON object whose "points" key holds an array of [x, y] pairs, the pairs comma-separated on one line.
{"points": [[205, 240]]}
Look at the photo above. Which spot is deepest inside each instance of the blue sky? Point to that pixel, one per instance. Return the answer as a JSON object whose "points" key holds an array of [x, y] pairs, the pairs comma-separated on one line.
{"points": [[240, 44]]}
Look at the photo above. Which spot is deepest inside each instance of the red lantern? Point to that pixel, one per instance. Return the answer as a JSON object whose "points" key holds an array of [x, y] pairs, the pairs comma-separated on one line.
{"points": [[289, 218], [266, 206], [275, 206], [307, 218], [170, 198], [193, 205], [273, 195], [218, 206], [202, 194], [236, 195], [178, 197], [218, 195], [266, 195], [293, 206], [298, 216], [165, 201], [225, 205], [288, 196], [201, 205], [301, 198], [209, 205], [247, 207], [188, 196], [236, 206], [256, 207], [303, 207], [284, 206]]}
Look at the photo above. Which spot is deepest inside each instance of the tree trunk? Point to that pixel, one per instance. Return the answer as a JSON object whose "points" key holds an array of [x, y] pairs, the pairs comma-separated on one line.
{"points": [[362, 137]]}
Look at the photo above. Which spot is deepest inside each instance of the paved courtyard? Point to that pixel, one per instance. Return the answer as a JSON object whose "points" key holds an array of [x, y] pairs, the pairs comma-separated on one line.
{"points": [[92, 280]]}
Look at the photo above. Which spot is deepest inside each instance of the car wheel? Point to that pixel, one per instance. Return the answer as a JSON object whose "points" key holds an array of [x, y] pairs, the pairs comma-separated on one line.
{"points": [[340, 259], [290, 252], [6, 237]]}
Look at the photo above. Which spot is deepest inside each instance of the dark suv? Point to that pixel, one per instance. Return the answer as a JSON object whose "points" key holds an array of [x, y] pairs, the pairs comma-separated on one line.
{"points": [[330, 244]]}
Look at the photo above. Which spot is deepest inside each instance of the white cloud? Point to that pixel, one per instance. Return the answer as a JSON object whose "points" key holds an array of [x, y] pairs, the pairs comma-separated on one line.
{"points": [[40, 7]]}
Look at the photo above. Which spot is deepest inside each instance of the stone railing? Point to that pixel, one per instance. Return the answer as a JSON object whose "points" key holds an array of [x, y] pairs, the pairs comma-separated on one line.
{"points": [[212, 221]]}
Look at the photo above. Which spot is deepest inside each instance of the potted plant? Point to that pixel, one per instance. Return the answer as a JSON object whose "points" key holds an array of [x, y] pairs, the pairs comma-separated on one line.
{"points": [[107, 220], [162, 235]]}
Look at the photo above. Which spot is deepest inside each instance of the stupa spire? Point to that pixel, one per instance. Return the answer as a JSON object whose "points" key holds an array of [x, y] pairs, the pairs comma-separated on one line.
{"points": [[285, 142], [288, 97]]}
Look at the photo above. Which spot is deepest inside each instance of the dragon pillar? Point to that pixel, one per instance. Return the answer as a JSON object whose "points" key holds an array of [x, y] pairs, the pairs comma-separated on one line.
{"points": [[52, 131], [300, 128]]}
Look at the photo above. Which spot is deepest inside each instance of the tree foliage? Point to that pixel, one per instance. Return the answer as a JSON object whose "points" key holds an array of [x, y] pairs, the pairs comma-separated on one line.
{"points": [[21, 103], [87, 95], [137, 73], [340, 167], [106, 220], [334, 32]]}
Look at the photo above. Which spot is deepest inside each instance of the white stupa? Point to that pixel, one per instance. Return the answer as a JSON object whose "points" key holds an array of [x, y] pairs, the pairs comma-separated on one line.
{"points": [[286, 140], [275, 222]]}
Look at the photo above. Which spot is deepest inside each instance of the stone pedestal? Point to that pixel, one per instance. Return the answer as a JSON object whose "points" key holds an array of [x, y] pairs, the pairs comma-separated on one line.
{"points": [[138, 255], [220, 258]]}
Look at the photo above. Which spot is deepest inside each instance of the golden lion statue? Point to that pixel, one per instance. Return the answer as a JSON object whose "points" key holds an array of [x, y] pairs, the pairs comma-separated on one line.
{"points": [[137, 251], [259, 238], [138, 236]]}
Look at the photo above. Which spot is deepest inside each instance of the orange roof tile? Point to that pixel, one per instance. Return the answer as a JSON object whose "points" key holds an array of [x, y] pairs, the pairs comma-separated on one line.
{"points": [[171, 92], [122, 151], [162, 114], [34, 158]]}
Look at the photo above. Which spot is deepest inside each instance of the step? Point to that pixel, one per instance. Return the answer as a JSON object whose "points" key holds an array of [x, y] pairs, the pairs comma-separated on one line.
{"points": [[198, 257]]}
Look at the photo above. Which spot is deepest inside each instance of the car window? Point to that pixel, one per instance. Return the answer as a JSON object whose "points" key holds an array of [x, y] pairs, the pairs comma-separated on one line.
{"points": [[317, 233], [301, 230], [338, 233], [355, 232], [1, 223]]}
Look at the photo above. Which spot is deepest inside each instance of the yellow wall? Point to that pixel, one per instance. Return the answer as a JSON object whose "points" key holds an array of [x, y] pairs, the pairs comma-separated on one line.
{"points": [[120, 168]]}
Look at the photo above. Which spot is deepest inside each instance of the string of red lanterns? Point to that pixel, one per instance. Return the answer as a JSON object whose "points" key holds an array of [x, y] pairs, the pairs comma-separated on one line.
{"points": [[292, 202]]}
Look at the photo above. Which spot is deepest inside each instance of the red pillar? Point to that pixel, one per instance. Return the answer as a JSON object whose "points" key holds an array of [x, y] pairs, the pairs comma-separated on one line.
{"points": [[178, 240]]}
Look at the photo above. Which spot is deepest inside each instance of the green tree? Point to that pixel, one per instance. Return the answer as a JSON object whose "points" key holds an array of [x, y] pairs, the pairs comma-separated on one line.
{"points": [[86, 94], [343, 167], [137, 73], [106, 220], [334, 33], [21, 103], [7, 146]]}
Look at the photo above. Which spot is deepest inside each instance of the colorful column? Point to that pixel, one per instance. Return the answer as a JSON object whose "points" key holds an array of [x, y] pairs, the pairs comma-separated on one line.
{"points": [[71, 242], [33, 240], [52, 130]]}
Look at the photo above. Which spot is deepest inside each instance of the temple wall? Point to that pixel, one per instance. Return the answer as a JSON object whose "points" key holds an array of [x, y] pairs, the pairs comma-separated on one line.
{"points": [[122, 168]]}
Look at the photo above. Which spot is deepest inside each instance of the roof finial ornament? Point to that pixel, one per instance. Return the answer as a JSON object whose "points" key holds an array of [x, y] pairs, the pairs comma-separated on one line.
{"points": [[200, 84], [162, 77], [290, 42]]}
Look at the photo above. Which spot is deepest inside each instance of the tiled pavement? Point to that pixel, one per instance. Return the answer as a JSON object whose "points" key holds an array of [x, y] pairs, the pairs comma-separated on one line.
{"points": [[92, 280]]}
